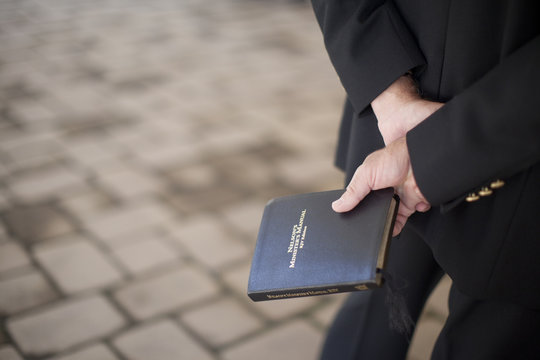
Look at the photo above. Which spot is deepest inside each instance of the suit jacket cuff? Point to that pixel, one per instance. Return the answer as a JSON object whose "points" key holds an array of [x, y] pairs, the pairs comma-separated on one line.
{"points": [[369, 51], [489, 131]]}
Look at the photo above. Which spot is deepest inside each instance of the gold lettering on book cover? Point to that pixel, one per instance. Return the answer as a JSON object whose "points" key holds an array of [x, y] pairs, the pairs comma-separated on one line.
{"points": [[298, 236], [303, 293]]}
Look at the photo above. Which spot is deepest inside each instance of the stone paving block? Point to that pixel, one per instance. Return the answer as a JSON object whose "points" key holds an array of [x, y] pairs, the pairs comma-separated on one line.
{"points": [[165, 155], [4, 202], [76, 265], [90, 153], [145, 255], [3, 234], [88, 204], [129, 183], [46, 183], [37, 222], [237, 277], [198, 176], [326, 314], [246, 217], [431, 321], [64, 325], [277, 310], [12, 256], [424, 338], [201, 200], [128, 219], [8, 352], [437, 303], [208, 241], [24, 291], [140, 234], [294, 340], [309, 172], [161, 340], [246, 169], [313, 147], [128, 137], [221, 322], [31, 145], [85, 102], [20, 166], [232, 141], [33, 114], [166, 292], [160, 126], [87, 123], [92, 352]]}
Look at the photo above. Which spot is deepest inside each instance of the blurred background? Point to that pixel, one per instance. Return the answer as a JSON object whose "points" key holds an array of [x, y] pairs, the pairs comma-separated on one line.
{"points": [[139, 143]]}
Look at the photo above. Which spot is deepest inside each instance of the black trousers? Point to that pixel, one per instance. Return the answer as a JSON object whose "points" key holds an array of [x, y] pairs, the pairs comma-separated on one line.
{"points": [[475, 329]]}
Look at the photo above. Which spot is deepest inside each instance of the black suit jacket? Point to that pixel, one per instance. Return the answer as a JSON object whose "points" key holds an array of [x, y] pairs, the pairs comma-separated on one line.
{"points": [[482, 58]]}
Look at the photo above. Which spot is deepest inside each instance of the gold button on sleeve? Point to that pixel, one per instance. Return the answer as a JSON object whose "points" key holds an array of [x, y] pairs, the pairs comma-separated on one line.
{"points": [[485, 191], [472, 197], [497, 184]]}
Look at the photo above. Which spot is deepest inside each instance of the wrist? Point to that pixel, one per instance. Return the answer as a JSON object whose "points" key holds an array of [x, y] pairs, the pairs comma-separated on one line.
{"points": [[401, 92]]}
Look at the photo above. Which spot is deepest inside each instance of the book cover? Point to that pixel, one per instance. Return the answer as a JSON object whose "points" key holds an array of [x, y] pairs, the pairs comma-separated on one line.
{"points": [[304, 248]]}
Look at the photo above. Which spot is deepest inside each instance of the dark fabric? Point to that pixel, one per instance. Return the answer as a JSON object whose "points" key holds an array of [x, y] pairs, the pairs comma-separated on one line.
{"points": [[478, 329], [482, 59], [475, 329], [356, 35], [344, 135], [360, 146], [489, 130], [361, 329]]}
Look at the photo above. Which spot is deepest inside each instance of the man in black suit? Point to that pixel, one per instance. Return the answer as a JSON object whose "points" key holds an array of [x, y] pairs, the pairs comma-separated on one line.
{"points": [[442, 106]]}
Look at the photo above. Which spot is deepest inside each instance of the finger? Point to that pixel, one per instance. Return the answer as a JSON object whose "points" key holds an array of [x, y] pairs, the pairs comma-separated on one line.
{"points": [[405, 210], [413, 199], [422, 207], [356, 191], [401, 218], [399, 224]]}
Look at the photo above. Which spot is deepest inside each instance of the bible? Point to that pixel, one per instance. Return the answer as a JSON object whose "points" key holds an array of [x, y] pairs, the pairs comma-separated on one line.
{"points": [[304, 248]]}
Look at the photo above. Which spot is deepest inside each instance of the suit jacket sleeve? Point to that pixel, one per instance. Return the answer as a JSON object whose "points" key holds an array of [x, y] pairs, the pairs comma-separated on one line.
{"points": [[490, 130], [369, 45]]}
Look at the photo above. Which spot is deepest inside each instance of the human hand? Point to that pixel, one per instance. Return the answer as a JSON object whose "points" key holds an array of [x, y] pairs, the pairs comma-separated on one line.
{"points": [[400, 108], [388, 167]]}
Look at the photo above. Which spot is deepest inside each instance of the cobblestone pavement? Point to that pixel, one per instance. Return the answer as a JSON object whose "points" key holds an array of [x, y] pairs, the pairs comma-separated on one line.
{"points": [[139, 142]]}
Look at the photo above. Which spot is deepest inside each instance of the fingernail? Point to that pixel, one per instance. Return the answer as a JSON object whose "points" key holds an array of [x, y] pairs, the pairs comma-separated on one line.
{"points": [[337, 203]]}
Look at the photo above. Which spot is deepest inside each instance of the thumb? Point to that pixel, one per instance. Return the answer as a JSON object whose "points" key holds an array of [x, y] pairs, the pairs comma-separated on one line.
{"points": [[356, 191]]}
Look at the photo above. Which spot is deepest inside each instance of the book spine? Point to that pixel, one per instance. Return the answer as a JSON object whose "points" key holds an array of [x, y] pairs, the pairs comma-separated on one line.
{"points": [[295, 293]]}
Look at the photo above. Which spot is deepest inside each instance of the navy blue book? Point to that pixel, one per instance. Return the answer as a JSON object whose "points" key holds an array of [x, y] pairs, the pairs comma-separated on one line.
{"points": [[304, 248]]}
